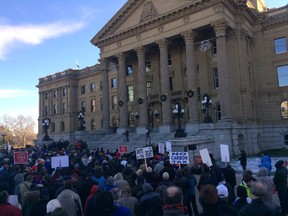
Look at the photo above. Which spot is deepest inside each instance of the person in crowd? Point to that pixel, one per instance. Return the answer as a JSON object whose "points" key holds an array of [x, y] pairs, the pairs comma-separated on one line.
{"points": [[205, 175], [173, 202], [129, 201], [246, 183], [70, 200], [266, 162], [280, 181], [150, 204], [119, 209], [18, 179], [229, 175], [119, 181], [258, 206], [165, 180], [208, 199], [242, 198], [224, 205], [110, 184], [99, 178], [31, 198], [6, 209], [25, 186], [93, 191], [103, 204], [52, 205], [159, 166], [169, 169], [59, 212], [263, 175], [39, 208], [243, 160]]}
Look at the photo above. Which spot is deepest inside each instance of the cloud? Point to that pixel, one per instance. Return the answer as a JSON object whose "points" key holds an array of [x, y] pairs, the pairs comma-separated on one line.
{"points": [[16, 93], [11, 36]]}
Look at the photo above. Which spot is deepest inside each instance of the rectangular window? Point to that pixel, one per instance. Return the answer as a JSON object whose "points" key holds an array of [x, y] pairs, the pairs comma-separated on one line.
{"points": [[83, 89], [286, 139], [113, 83], [93, 105], [55, 109], [169, 59], [64, 108], [149, 87], [282, 72], [171, 83], [46, 96], [129, 69], [101, 104], [100, 85], [83, 106], [214, 47], [215, 78], [55, 93], [280, 45], [148, 66], [92, 87], [130, 93], [45, 111]]}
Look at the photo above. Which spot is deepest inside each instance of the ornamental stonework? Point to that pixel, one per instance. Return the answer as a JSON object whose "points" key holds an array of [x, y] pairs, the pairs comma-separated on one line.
{"points": [[149, 12]]}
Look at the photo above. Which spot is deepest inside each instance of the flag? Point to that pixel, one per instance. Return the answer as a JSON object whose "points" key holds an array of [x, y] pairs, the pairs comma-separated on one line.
{"points": [[77, 64]]}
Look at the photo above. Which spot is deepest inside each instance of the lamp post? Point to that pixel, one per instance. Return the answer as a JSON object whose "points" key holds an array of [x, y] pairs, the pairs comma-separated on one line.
{"points": [[46, 124], [206, 104], [80, 116], [178, 113]]}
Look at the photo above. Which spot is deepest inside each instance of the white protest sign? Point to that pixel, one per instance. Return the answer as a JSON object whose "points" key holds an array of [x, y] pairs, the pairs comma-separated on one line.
{"points": [[142, 153], [205, 157], [179, 158], [224, 150], [168, 146], [60, 161], [161, 148]]}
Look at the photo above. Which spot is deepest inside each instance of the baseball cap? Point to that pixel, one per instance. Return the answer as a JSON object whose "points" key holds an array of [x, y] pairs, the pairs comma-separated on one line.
{"points": [[222, 191]]}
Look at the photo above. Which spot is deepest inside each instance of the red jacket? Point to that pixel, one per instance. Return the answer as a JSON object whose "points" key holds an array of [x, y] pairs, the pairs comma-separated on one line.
{"points": [[7, 209]]}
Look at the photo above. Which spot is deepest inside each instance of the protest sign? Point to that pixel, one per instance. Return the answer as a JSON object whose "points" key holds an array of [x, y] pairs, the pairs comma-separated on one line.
{"points": [[60, 161], [205, 157], [168, 146], [143, 153], [224, 150], [161, 148], [21, 157], [179, 158], [123, 149]]}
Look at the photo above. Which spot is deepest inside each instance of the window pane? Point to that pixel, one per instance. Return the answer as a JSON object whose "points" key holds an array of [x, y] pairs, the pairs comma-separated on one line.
{"points": [[282, 72], [280, 45]]}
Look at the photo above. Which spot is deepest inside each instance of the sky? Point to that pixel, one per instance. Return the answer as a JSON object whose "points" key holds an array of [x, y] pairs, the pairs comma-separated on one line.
{"points": [[40, 37]]}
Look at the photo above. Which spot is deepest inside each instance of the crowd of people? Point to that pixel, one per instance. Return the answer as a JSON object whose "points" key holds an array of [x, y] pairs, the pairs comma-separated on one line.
{"points": [[99, 182]]}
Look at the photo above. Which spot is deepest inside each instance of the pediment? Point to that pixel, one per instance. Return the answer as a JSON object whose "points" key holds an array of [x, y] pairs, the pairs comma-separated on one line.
{"points": [[136, 13]]}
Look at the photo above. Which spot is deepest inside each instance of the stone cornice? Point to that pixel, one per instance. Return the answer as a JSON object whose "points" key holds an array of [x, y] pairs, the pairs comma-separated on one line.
{"points": [[275, 17]]}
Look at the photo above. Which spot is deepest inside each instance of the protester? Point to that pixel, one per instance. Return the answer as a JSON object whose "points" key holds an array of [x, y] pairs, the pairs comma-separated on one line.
{"points": [[119, 209], [173, 202], [258, 206], [6, 209], [263, 175], [129, 201], [243, 160], [242, 198], [224, 204]]}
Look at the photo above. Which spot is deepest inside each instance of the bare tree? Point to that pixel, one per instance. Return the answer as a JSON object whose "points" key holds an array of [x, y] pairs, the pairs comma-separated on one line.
{"points": [[20, 130]]}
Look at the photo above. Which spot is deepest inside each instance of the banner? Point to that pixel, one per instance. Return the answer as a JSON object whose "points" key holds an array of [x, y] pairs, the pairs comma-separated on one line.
{"points": [[60, 161], [142, 153], [179, 158], [21, 157], [168, 146], [224, 150], [123, 149]]}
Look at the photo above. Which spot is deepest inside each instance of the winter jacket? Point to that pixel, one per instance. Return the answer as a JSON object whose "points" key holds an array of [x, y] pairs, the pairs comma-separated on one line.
{"points": [[259, 207], [7, 209], [69, 200], [150, 205], [174, 210], [280, 179]]}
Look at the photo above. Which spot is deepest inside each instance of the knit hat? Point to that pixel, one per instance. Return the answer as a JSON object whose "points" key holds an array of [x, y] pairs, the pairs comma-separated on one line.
{"points": [[165, 176], [147, 188], [222, 191], [59, 212], [279, 164], [52, 205]]}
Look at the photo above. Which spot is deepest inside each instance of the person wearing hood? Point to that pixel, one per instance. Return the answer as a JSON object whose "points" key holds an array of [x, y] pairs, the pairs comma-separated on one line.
{"points": [[263, 175], [280, 181], [93, 191], [18, 179], [129, 201], [110, 184], [173, 202], [150, 204], [70, 200]]}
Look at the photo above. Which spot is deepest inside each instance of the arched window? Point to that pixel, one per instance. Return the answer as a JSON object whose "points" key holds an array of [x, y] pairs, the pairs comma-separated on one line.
{"points": [[284, 110], [52, 127], [93, 124], [218, 112], [62, 126]]}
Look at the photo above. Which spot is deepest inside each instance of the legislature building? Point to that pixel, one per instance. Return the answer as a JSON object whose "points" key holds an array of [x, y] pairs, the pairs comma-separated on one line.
{"points": [[211, 71]]}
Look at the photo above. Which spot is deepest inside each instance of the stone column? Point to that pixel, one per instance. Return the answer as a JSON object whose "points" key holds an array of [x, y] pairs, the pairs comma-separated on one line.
{"points": [[222, 64], [142, 90], [165, 90], [122, 91], [191, 76], [105, 94], [41, 107]]}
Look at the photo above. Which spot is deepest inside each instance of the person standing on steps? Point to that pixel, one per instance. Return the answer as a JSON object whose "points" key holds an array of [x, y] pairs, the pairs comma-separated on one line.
{"points": [[126, 133], [243, 160], [148, 138]]}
